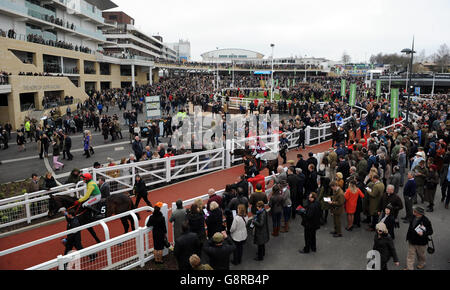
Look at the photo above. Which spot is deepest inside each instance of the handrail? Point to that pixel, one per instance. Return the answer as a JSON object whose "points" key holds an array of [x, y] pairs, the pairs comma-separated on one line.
{"points": [[77, 229]]}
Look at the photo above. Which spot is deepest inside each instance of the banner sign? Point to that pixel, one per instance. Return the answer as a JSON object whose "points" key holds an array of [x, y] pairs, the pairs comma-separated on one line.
{"points": [[153, 107], [394, 103], [378, 93], [352, 99], [343, 88]]}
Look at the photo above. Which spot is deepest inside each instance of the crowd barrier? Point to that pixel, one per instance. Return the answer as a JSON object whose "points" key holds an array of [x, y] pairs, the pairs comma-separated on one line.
{"points": [[126, 251]]}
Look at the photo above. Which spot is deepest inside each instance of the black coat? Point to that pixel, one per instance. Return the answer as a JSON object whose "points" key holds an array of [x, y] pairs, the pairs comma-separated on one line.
{"points": [[158, 222], [244, 185], [385, 246], [219, 256], [311, 182], [214, 222], [303, 165], [186, 245], [197, 224], [311, 218], [390, 224], [294, 183], [140, 188], [344, 168], [413, 237]]}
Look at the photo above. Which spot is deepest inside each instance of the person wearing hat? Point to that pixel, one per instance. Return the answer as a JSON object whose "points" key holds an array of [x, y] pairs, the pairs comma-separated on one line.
{"points": [[419, 230], [218, 249], [159, 231], [385, 246], [431, 183]]}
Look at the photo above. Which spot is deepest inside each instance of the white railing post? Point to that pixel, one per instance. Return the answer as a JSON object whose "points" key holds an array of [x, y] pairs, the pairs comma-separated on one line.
{"points": [[308, 136], [140, 246], [27, 208], [228, 153], [165, 213], [133, 174], [174, 206], [107, 237], [168, 172], [61, 262]]}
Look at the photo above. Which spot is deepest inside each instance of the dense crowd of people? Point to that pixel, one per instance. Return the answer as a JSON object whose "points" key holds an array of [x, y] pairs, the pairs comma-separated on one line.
{"points": [[369, 174]]}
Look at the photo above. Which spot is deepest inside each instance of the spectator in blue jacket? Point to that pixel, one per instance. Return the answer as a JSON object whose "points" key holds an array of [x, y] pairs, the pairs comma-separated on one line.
{"points": [[409, 192]]}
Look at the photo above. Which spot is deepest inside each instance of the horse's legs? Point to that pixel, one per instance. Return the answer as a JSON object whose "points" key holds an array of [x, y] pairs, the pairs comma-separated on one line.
{"points": [[124, 221], [94, 235], [131, 222]]}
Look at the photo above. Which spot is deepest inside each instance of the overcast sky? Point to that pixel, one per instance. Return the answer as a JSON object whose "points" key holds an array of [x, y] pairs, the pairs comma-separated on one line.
{"points": [[318, 28]]}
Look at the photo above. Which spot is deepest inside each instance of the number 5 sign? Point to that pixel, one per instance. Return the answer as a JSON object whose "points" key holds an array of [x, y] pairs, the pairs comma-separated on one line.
{"points": [[374, 262]]}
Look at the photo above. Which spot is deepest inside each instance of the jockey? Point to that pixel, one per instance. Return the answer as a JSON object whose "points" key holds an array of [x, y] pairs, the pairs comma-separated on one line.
{"points": [[93, 194], [339, 120], [258, 150]]}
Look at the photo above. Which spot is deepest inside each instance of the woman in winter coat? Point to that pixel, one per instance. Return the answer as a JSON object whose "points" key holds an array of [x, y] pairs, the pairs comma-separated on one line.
{"points": [[385, 246], [387, 217], [214, 221], [239, 233], [276, 202], [158, 222], [351, 199], [197, 222], [261, 227]]}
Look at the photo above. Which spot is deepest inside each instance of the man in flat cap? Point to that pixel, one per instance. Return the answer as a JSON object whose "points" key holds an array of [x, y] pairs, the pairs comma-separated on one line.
{"points": [[418, 232]]}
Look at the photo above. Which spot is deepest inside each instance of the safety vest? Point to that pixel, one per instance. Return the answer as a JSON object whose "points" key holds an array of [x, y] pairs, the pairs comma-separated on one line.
{"points": [[27, 126]]}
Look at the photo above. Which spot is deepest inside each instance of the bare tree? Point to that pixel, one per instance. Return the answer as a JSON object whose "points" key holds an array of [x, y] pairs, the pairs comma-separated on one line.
{"points": [[443, 57]]}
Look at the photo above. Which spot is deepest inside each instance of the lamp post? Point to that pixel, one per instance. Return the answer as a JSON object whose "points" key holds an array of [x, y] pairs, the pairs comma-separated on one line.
{"points": [[411, 52], [217, 71], [271, 89]]}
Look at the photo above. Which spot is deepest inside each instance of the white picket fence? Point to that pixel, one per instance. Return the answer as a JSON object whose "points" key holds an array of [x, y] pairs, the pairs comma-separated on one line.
{"points": [[124, 252]]}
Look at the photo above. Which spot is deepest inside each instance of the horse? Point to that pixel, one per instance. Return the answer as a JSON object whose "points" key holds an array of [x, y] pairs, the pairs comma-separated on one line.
{"points": [[115, 204], [270, 159]]}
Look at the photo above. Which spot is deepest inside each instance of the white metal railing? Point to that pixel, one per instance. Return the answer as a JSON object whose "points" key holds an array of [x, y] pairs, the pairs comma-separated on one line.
{"points": [[121, 178], [30, 206], [123, 252]]}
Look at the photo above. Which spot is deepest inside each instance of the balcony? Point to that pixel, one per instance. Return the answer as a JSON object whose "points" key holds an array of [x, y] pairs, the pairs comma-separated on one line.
{"points": [[5, 87], [42, 16]]}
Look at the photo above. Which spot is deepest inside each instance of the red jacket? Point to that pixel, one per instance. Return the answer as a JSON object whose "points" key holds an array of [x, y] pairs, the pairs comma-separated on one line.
{"points": [[172, 162], [258, 179]]}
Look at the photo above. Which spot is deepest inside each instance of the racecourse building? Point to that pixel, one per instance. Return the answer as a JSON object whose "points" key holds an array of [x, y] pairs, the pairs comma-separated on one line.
{"points": [[230, 55], [54, 54], [127, 41]]}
